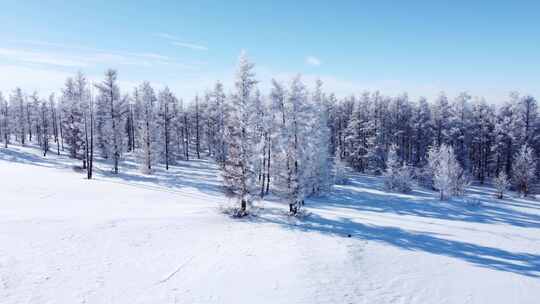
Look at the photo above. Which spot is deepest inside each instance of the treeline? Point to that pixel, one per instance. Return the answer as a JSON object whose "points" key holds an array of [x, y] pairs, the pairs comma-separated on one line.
{"points": [[291, 141]]}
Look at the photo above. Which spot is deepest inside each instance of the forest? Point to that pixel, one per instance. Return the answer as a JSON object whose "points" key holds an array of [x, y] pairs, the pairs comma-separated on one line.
{"points": [[290, 141]]}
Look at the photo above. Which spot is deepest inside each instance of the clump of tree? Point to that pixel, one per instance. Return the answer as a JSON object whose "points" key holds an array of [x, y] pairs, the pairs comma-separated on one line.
{"points": [[397, 177], [502, 184], [448, 176], [340, 170], [524, 169], [293, 141]]}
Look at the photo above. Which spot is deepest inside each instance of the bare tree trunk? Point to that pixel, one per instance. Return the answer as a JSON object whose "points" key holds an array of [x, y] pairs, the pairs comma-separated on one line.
{"points": [[268, 166], [89, 145], [186, 140], [91, 159], [45, 131], [55, 127], [115, 139], [61, 134], [166, 136], [133, 147], [6, 136], [243, 205], [263, 168], [29, 122], [198, 144], [148, 151], [86, 151]]}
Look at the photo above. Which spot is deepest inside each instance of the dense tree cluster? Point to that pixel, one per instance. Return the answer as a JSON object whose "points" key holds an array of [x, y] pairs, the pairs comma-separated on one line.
{"points": [[293, 142], [484, 139]]}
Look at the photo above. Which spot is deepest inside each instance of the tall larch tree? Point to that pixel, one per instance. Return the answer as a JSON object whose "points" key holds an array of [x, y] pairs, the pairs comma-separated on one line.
{"points": [[238, 173]]}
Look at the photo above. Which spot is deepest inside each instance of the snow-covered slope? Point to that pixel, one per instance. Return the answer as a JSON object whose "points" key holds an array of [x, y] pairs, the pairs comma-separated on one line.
{"points": [[162, 239]]}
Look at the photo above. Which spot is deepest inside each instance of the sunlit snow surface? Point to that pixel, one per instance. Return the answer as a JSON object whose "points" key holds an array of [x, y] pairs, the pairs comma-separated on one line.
{"points": [[134, 238]]}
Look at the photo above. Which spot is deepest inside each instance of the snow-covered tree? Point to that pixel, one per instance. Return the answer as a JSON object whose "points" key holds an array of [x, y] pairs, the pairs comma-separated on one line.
{"points": [[166, 101], [72, 110], [447, 174], [147, 126], [528, 113], [507, 135], [397, 177], [260, 141], [274, 128], [459, 133], [501, 183], [179, 128], [297, 138], [360, 133], [54, 121], [19, 119], [89, 113], [111, 114], [441, 112], [239, 171], [216, 116], [4, 121], [130, 126], [481, 136], [321, 162], [523, 170], [381, 133], [400, 131], [44, 122], [32, 117], [194, 126], [340, 169], [422, 135]]}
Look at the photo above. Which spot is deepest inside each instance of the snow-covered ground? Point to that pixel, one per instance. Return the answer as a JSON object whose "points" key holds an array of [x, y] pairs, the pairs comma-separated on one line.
{"points": [[162, 239]]}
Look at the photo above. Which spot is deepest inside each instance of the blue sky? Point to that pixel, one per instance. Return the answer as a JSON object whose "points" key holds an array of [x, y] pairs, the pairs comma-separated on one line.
{"points": [[487, 48]]}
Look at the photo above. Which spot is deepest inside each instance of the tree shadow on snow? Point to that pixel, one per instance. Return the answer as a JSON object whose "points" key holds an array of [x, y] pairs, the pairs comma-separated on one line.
{"points": [[199, 174], [17, 155], [367, 194], [364, 193], [493, 258]]}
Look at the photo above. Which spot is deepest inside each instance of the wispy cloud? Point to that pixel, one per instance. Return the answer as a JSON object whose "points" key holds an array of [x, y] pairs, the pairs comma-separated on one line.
{"points": [[70, 56], [178, 42], [313, 61], [109, 53], [40, 58], [190, 46]]}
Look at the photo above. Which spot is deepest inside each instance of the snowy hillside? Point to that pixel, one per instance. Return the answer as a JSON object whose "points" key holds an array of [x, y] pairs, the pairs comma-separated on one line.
{"points": [[161, 238]]}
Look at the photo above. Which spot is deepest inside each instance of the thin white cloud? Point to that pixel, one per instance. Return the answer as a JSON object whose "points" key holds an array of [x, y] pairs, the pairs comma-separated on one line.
{"points": [[40, 58], [178, 42], [92, 55], [190, 46], [89, 49], [70, 56], [313, 61]]}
